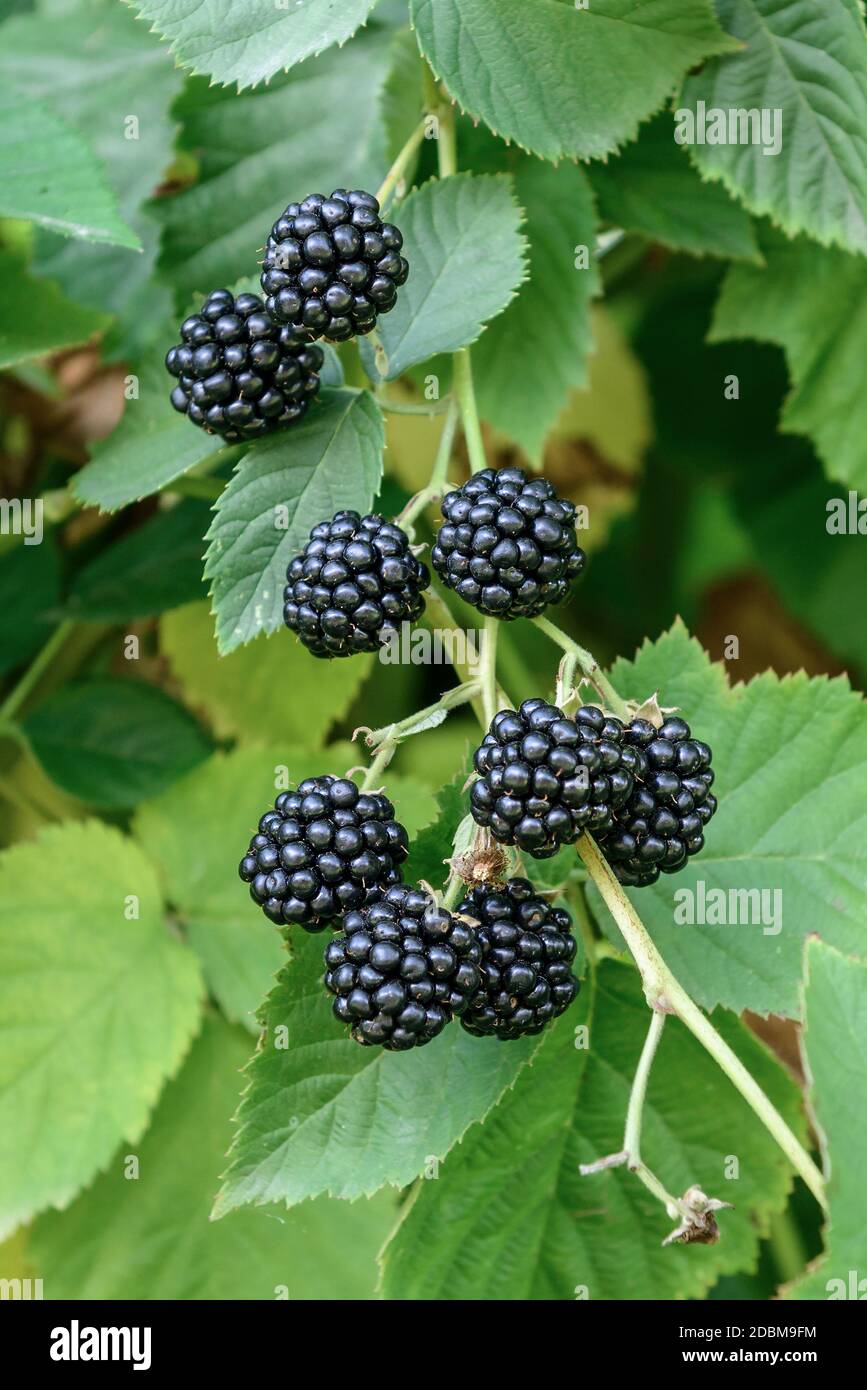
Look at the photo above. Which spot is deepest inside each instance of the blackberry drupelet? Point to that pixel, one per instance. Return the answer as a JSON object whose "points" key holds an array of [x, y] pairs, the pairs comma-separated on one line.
{"points": [[543, 777], [354, 581], [332, 265], [325, 849], [241, 375], [401, 970], [662, 822], [507, 544], [527, 954]]}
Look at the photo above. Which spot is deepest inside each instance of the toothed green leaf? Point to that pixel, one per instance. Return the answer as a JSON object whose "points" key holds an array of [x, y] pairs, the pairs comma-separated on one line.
{"points": [[329, 461], [562, 80], [808, 63], [98, 1004], [246, 44]]}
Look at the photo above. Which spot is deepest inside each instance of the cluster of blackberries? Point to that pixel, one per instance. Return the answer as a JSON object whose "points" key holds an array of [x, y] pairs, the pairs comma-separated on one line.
{"points": [[355, 581], [662, 822], [240, 374], [545, 777], [527, 950], [325, 849], [507, 545], [402, 969], [332, 265]]}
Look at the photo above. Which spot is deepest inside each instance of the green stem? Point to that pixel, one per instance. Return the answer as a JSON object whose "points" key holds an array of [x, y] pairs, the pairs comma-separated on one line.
{"points": [[635, 1112], [447, 160], [437, 484], [664, 991], [589, 665], [462, 385], [378, 766], [490, 702], [447, 150], [393, 733], [36, 670], [455, 890], [401, 163]]}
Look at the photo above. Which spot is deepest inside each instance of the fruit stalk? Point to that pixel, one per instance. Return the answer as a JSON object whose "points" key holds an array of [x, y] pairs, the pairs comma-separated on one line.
{"points": [[664, 991]]}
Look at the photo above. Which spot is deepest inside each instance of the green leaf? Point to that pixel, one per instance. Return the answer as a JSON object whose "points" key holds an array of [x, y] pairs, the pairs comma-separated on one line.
{"points": [[100, 71], [155, 568], [29, 592], [509, 1216], [97, 1008], [317, 128], [811, 65], [97, 70], [466, 260], [821, 330], [514, 65], [546, 328], [36, 317], [150, 447], [246, 44], [50, 176], [111, 742], [790, 758], [653, 188], [835, 1047], [318, 1114], [331, 460], [150, 1237], [273, 689]]}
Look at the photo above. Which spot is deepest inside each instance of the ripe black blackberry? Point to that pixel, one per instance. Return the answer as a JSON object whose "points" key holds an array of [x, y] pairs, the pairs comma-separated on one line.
{"points": [[543, 777], [662, 822], [401, 970], [332, 265], [508, 544], [241, 375], [527, 954], [354, 581], [325, 849]]}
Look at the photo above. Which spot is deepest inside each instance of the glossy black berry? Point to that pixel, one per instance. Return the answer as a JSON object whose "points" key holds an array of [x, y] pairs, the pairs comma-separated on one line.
{"points": [[240, 374], [354, 582], [507, 544], [325, 849], [332, 265], [662, 822], [401, 969], [544, 778], [527, 954]]}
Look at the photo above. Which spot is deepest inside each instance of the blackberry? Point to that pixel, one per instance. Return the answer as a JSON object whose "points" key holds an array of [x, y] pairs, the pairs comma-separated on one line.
{"points": [[325, 849], [401, 970], [241, 375], [543, 777], [662, 822], [332, 265], [527, 954], [507, 544], [354, 581]]}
